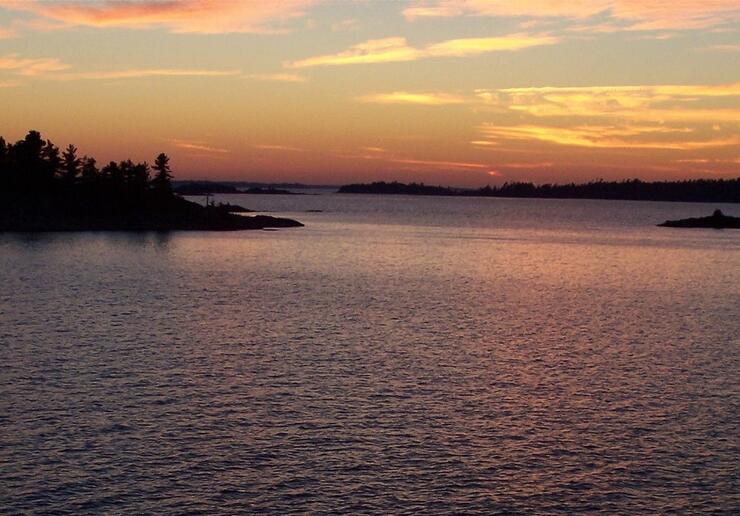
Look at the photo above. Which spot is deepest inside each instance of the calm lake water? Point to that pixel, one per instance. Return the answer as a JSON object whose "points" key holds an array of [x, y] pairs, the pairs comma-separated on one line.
{"points": [[396, 355]]}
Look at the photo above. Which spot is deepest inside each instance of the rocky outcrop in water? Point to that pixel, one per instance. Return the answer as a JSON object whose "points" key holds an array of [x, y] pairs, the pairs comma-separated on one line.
{"points": [[717, 220]]}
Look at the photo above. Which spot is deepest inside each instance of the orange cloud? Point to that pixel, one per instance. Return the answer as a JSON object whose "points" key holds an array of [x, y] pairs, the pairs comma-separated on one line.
{"points": [[648, 103], [606, 137], [439, 164], [734, 161], [373, 51], [525, 166], [484, 143], [644, 119], [472, 46], [702, 90], [638, 14], [402, 97], [182, 16], [396, 49], [276, 77]]}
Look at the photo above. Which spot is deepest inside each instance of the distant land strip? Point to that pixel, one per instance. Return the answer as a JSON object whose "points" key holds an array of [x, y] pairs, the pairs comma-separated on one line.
{"points": [[695, 190], [206, 187]]}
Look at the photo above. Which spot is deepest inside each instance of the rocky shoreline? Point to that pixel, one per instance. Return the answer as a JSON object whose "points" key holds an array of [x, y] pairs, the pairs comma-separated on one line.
{"points": [[47, 213]]}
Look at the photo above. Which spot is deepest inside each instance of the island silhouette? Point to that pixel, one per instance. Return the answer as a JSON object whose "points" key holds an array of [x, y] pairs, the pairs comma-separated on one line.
{"points": [[697, 190], [716, 220], [51, 190]]}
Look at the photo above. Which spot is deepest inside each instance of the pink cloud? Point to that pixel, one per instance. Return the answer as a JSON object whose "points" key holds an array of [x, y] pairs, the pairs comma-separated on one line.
{"points": [[183, 16], [198, 146], [276, 147]]}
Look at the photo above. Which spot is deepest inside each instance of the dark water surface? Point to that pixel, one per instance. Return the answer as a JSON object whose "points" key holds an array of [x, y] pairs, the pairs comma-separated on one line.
{"points": [[396, 355]]}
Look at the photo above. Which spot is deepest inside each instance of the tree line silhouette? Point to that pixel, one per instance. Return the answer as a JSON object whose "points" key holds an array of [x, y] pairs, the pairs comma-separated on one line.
{"points": [[48, 189], [37, 166], [695, 190]]}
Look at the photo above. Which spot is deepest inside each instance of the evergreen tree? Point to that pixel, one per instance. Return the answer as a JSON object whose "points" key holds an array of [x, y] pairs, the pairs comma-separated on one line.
{"points": [[26, 163], [127, 171], [140, 176], [139, 180], [113, 177], [28, 150], [89, 169], [52, 161], [70, 163], [162, 182], [4, 169]]}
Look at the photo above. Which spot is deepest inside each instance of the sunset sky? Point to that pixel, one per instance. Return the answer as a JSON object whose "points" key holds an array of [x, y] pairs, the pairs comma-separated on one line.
{"points": [[455, 92]]}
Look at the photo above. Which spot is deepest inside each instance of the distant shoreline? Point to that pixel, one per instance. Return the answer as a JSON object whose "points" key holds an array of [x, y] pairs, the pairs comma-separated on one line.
{"points": [[200, 188], [701, 190]]}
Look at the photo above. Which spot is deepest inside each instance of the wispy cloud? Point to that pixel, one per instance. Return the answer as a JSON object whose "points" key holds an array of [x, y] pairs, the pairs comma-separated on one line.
{"points": [[31, 66], [484, 143], [528, 166], [182, 16], [276, 77], [691, 90], [667, 117], [729, 47], [605, 137], [453, 165], [636, 14], [145, 72], [54, 69], [276, 147], [349, 24], [198, 146], [473, 46], [386, 156], [733, 161], [647, 102], [374, 51], [403, 97], [397, 49]]}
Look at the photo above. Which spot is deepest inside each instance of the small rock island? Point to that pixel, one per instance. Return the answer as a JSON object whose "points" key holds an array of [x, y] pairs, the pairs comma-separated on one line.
{"points": [[717, 220], [48, 190]]}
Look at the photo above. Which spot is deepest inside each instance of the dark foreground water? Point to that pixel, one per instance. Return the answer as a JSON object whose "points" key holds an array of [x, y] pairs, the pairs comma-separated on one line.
{"points": [[397, 355]]}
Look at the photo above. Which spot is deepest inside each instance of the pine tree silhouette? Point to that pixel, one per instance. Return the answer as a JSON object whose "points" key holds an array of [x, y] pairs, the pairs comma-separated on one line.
{"points": [[162, 182]]}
